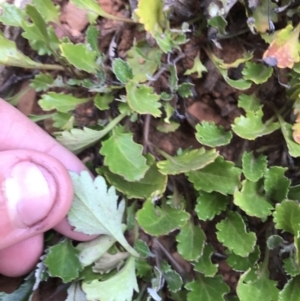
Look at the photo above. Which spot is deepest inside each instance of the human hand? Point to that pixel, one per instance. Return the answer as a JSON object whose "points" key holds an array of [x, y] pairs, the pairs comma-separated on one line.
{"points": [[36, 190]]}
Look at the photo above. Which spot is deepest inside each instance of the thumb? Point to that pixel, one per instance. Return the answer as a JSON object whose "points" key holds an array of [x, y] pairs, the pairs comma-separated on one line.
{"points": [[36, 194]]}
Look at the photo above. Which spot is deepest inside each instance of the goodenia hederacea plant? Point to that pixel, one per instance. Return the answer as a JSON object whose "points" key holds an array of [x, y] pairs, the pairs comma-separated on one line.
{"points": [[232, 233], [11, 56], [207, 289], [286, 129], [252, 201], [242, 264], [160, 220], [80, 56], [204, 264], [208, 133], [284, 47], [198, 68], [258, 73], [62, 261], [255, 285], [119, 287], [221, 176], [187, 161], [191, 240], [151, 16], [251, 126], [142, 99], [286, 216], [11, 15], [240, 84], [94, 10], [153, 181], [173, 279], [291, 290], [76, 140], [60, 101], [122, 70], [210, 204], [143, 61], [253, 168], [95, 209], [276, 185], [123, 156]]}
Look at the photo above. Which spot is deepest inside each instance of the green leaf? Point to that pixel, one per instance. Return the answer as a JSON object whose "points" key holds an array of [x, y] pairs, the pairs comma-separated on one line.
{"points": [[188, 161], [80, 56], [232, 234], [241, 264], [60, 101], [219, 23], [253, 168], [291, 290], [42, 82], [92, 35], [258, 73], [89, 252], [294, 193], [251, 126], [191, 240], [94, 10], [142, 99], [204, 264], [122, 70], [95, 209], [62, 261], [77, 140], [152, 182], [10, 56], [212, 135], [11, 15], [294, 148], [48, 10], [38, 23], [123, 156], [287, 216], [142, 248], [173, 279], [210, 204], [185, 90], [143, 60], [22, 293], [252, 201], [207, 289], [119, 287], [290, 266], [198, 68], [151, 16], [221, 176], [274, 241], [249, 103], [102, 101], [162, 220], [260, 288], [276, 184]]}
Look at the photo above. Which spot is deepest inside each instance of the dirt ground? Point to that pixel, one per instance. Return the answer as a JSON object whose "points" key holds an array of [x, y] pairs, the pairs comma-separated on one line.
{"points": [[212, 100]]}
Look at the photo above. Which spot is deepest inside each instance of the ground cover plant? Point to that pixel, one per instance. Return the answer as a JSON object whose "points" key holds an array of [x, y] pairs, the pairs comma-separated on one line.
{"points": [[187, 113]]}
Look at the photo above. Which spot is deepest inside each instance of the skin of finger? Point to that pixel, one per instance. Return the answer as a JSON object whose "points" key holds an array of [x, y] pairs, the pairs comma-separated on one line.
{"points": [[18, 132], [9, 233], [22, 257]]}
